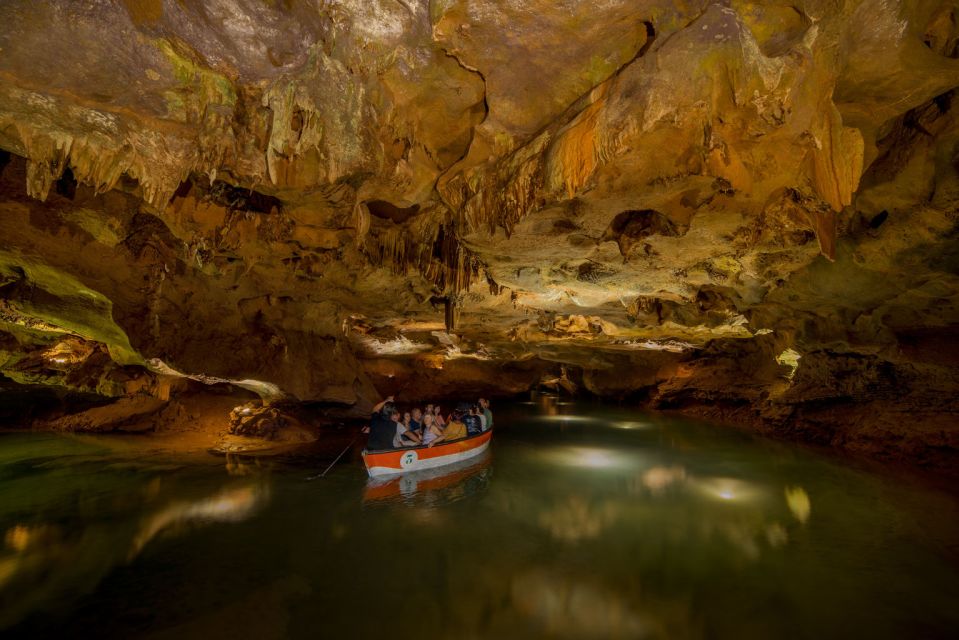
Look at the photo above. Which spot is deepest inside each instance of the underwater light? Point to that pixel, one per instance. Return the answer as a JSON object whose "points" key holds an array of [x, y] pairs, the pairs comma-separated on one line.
{"points": [[627, 424], [591, 458], [798, 502], [568, 418], [596, 459], [726, 489]]}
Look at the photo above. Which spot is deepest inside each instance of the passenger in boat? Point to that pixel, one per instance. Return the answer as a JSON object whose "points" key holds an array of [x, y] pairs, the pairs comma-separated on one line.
{"points": [[382, 427], [481, 416], [403, 436], [438, 416], [416, 421], [474, 425], [453, 431], [430, 431], [487, 414]]}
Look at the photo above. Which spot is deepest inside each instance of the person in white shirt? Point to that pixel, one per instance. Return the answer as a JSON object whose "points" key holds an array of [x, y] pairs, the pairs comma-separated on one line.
{"points": [[487, 414], [404, 437], [430, 431]]}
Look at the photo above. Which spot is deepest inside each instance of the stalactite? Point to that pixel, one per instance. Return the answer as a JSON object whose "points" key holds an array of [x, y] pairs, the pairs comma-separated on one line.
{"points": [[837, 162], [494, 287], [575, 155], [505, 196], [435, 251], [449, 314], [319, 130], [157, 162]]}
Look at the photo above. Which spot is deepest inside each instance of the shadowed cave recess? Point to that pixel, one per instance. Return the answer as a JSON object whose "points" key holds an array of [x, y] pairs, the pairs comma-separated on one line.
{"points": [[743, 211]]}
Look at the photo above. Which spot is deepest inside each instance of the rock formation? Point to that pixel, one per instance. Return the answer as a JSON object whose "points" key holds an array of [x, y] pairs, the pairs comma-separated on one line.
{"points": [[743, 209]]}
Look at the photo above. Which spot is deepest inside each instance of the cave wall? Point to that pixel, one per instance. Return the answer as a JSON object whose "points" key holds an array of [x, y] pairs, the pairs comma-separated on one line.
{"points": [[322, 203]]}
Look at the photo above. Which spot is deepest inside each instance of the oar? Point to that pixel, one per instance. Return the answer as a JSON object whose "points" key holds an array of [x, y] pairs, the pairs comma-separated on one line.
{"points": [[335, 460]]}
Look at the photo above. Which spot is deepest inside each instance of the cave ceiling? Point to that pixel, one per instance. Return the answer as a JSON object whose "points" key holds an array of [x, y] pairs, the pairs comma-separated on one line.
{"points": [[284, 193]]}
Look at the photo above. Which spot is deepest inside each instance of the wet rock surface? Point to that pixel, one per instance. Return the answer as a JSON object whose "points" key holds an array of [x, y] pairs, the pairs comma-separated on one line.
{"points": [[259, 422], [325, 204]]}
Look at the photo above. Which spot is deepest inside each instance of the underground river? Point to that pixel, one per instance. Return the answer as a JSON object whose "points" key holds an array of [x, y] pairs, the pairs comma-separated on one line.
{"points": [[583, 521]]}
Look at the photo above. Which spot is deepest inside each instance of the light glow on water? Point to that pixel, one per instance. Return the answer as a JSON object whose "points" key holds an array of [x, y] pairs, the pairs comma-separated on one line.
{"points": [[568, 418], [592, 458], [630, 425], [799, 503], [727, 489], [596, 458]]}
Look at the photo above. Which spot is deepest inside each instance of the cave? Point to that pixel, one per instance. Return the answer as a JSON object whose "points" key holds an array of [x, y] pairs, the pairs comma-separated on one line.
{"points": [[664, 296]]}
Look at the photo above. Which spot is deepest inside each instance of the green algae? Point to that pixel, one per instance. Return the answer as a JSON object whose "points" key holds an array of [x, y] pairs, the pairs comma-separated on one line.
{"points": [[103, 230], [199, 86]]}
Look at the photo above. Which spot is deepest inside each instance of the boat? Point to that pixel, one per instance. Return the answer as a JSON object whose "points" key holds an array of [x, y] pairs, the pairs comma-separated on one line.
{"points": [[440, 485], [393, 461]]}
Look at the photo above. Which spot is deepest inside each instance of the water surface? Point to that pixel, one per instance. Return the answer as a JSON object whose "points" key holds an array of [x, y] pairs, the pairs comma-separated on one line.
{"points": [[584, 521]]}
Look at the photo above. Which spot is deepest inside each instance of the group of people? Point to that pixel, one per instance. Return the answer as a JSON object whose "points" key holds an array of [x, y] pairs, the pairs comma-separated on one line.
{"points": [[389, 429]]}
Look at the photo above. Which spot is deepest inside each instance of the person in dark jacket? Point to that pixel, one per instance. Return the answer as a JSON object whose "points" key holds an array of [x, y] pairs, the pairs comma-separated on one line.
{"points": [[382, 426], [474, 426]]}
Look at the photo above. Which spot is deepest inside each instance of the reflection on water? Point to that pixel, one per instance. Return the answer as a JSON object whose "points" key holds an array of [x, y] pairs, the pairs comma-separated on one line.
{"points": [[432, 487], [576, 518], [72, 517], [659, 478], [567, 608], [39, 548], [50, 559], [228, 505], [608, 525], [799, 504]]}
